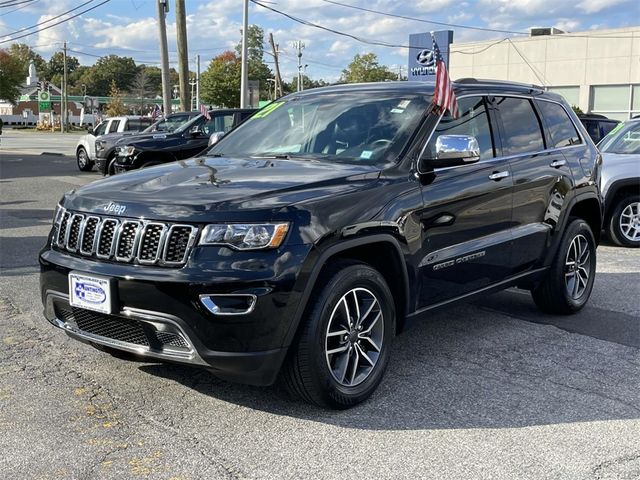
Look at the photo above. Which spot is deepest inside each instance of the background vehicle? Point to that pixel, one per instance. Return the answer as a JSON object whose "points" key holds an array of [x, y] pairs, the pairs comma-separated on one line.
{"points": [[621, 183], [191, 138], [86, 147], [304, 240], [597, 126], [105, 145]]}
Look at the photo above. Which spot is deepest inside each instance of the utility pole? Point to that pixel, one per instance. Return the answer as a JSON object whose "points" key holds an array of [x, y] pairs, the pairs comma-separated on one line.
{"points": [[183, 55], [63, 122], [299, 46], [244, 71], [278, 85], [198, 82], [163, 8]]}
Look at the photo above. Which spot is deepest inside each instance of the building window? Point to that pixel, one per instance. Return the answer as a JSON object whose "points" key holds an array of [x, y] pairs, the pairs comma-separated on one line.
{"points": [[570, 94], [620, 102]]}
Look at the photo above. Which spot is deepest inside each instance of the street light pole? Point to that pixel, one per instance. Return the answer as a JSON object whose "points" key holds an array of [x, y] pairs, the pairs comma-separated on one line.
{"points": [[163, 7], [244, 74]]}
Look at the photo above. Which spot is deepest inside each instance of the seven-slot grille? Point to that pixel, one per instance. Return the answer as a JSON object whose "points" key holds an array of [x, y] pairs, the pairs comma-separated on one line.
{"points": [[124, 240]]}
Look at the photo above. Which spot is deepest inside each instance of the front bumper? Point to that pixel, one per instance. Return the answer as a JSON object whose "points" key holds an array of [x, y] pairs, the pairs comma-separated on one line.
{"points": [[121, 166], [159, 313]]}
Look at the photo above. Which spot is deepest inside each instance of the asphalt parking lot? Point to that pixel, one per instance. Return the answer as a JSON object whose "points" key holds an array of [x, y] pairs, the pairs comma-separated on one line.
{"points": [[492, 389]]}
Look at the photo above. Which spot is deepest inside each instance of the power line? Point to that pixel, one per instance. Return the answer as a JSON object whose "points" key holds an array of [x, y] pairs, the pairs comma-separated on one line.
{"points": [[433, 22], [50, 19], [55, 24], [13, 3]]}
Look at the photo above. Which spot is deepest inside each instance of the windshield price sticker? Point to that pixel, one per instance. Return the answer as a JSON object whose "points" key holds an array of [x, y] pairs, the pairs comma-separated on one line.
{"points": [[268, 110]]}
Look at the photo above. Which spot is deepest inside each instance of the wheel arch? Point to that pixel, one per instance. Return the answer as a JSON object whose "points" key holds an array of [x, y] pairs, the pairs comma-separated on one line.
{"points": [[375, 250], [618, 189], [589, 210]]}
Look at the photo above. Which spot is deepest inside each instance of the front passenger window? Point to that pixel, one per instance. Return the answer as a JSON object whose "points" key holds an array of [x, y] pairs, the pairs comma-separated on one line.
{"points": [[473, 121]]}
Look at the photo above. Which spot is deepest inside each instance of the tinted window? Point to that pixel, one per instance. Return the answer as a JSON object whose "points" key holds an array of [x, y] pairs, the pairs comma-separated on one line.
{"points": [[114, 126], [522, 133], [563, 132], [473, 120], [625, 140]]}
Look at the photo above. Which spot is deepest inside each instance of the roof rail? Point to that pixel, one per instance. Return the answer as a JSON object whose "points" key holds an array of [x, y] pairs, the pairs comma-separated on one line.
{"points": [[471, 80]]}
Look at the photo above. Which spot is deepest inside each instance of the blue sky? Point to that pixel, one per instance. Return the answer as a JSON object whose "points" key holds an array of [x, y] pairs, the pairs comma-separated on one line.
{"points": [[128, 27]]}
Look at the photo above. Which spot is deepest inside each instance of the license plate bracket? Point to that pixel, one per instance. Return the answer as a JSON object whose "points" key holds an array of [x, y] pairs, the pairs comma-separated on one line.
{"points": [[92, 292]]}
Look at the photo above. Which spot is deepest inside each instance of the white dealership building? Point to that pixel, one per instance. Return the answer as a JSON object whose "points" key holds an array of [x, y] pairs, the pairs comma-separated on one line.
{"points": [[596, 70]]}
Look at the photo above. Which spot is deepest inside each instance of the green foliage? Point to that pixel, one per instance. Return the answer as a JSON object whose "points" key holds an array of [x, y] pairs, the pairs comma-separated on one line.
{"points": [[24, 55], [10, 76], [307, 83], [220, 83], [112, 68], [56, 65], [577, 110], [365, 68], [116, 107]]}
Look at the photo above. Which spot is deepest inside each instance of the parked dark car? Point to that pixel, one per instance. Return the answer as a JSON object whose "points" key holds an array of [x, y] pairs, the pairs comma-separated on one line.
{"points": [[189, 139], [106, 144], [597, 126], [305, 239]]}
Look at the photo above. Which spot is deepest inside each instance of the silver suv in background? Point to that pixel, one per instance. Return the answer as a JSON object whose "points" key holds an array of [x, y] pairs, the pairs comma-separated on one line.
{"points": [[621, 183], [86, 147]]}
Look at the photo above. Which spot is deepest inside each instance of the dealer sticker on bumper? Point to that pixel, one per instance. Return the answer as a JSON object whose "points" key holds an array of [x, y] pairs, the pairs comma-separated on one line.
{"points": [[92, 293]]}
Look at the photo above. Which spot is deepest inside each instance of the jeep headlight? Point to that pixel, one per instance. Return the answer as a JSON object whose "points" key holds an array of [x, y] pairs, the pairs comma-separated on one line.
{"points": [[126, 151], [245, 236]]}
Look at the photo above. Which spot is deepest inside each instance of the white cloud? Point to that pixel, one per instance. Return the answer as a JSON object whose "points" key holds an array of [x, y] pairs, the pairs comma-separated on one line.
{"points": [[595, 6]]}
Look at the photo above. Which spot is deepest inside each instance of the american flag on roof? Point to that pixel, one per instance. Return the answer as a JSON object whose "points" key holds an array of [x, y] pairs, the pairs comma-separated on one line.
{"points": [[443, 97], [205, 111], [156, 112]]}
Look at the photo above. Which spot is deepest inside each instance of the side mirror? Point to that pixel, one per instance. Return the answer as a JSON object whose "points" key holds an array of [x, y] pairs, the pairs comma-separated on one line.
{"points": [[90, 130], [454, 150], [215, 138]]}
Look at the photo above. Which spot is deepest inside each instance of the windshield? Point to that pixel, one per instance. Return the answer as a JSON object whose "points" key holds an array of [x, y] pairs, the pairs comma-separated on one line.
{"points": [[624, 139], [167, 124], [355, 127], [186, 126]]}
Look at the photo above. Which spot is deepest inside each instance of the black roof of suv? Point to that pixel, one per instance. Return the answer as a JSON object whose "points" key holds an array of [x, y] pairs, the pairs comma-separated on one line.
{"points": [[304, 240]]}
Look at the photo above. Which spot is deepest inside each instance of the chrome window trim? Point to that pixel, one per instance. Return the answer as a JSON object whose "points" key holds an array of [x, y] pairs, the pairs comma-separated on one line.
{"points": [[501, 157]]}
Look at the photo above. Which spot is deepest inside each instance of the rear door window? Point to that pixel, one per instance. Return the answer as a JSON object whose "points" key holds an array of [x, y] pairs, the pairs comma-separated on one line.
{"points": [[562, 131], [520, 125]]}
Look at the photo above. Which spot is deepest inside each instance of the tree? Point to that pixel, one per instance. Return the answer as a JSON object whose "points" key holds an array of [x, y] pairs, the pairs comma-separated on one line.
{"points": [[220, 82], [257, 69], [141, 87], [98, 77], [56, 64], [116, 107], [365, 68], [306, 82], [10, 77], [24, 54]]}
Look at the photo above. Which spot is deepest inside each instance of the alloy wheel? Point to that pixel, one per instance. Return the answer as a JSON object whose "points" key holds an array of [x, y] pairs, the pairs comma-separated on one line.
{"points": [[630, 221], [577, 267], [354, 337], [82, 158]]}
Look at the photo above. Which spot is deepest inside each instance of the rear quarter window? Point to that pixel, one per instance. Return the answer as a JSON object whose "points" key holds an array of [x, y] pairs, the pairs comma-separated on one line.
{"points": [[562, 131]]}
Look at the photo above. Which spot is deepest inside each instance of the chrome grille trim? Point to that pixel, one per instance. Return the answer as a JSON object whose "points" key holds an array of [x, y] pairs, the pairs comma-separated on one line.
{"points": [[190, 241], [147, 242], [93, 240]]}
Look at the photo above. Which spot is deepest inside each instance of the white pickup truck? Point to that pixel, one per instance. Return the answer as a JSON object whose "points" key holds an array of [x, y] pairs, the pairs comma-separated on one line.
{"points": [[86, 148]]}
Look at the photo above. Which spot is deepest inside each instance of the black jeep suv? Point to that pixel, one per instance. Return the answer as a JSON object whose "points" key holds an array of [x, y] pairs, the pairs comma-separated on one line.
{"points": [[304, 240]]}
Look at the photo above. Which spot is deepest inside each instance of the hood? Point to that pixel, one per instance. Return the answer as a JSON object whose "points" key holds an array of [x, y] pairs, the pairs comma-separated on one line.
{"points": [[140, 138], [206, 188]]}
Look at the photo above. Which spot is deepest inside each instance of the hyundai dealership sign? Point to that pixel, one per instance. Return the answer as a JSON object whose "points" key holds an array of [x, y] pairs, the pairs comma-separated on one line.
{"points": [[422, 65]]}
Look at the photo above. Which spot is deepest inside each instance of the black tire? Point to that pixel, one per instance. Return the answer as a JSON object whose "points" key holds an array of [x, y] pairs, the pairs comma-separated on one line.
{"points": [[557, 292], [110, 168], [83, 161], [307, 373], [629, 205]]}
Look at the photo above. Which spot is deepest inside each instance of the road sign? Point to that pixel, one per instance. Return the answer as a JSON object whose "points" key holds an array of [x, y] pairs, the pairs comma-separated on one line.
{"points": [[44, 101]]}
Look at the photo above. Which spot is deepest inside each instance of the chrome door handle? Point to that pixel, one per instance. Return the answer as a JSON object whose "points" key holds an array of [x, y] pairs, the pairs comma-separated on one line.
{"points": [[558, 163], [498, 175]]}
